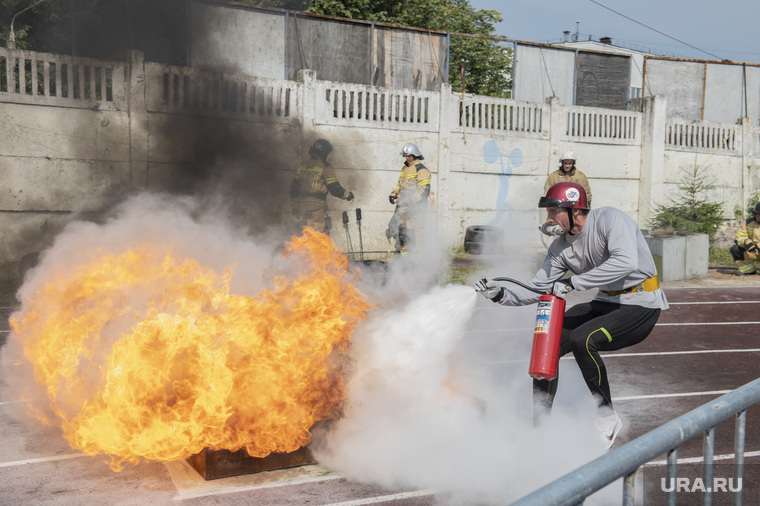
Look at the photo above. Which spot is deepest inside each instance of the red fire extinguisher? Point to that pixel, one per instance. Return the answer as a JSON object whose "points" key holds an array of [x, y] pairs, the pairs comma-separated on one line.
{"points": [[547, 335], [550, 316]]}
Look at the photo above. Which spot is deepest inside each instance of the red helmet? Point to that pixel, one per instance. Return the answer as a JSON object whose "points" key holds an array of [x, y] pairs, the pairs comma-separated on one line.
{"points": [[565, 195]]}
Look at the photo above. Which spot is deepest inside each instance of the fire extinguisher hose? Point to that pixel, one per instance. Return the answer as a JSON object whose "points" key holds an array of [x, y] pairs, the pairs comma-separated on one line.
{"points": [[510, 280]]}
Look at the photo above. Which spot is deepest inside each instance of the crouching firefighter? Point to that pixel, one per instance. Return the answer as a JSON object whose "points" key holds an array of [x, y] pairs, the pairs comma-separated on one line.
{"points": [[603, 248], [745, 249], [309, 188]]}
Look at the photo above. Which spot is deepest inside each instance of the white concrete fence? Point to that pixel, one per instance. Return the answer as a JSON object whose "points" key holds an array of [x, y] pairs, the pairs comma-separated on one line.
{"points": [[78, 132]]}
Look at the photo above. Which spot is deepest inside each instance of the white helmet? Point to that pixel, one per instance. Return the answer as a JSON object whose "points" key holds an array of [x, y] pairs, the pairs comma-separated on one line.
{"points": [[568, 155], [411, 148]]}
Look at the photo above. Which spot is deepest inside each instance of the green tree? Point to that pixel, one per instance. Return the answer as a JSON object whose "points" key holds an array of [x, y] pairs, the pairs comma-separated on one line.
{"points": [[690, 211]]}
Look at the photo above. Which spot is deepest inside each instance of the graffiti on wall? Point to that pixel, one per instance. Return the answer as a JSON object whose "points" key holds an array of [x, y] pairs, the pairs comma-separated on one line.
{"points": [[492, 154]]}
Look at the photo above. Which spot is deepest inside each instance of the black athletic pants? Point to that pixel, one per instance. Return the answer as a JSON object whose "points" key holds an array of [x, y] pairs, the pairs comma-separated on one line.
{"points": [[588, 329]]}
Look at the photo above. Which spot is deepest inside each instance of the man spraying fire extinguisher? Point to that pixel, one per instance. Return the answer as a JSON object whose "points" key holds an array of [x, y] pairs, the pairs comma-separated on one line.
{"points": [[604, 249]]}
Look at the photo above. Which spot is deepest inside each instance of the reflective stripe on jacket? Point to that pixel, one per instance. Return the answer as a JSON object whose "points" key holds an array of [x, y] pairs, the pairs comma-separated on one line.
{"points": [[313, 181], [748, 230], [413, 183]]}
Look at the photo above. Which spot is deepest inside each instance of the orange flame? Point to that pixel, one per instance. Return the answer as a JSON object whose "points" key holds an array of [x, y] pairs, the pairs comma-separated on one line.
{"points": [[148, 355]]}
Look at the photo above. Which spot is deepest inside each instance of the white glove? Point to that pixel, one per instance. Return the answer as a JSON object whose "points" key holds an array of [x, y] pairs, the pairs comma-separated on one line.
{"points": [[562, 288], [489, 290]]}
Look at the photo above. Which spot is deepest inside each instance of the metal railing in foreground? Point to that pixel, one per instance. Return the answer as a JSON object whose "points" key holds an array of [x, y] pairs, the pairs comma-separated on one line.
{"points": [[574, 487]]}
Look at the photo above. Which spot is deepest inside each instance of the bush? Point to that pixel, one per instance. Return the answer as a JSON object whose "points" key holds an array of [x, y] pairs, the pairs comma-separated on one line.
{"points": [[690, 211], [740, 212]]}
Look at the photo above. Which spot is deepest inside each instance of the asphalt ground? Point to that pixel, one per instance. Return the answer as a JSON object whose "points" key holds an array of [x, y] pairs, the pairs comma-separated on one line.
{"points": [[704, 346]]}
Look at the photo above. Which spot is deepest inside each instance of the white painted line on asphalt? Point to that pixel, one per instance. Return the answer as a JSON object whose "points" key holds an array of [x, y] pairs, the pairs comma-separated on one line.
{"points": [[689, 352], [663, 396], [503, 331], [385, 498], [190, 484], [687, 324], [712, 303], [703, 288], [42, 459], [642, 354], [699, 460]]}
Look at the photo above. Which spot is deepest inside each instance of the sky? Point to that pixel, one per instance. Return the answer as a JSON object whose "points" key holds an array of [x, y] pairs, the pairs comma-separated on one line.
{"points": [[705, 30]]}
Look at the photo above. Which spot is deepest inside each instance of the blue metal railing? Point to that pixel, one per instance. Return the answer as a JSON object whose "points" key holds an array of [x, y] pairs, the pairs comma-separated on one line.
{"points": [[574, 487]]}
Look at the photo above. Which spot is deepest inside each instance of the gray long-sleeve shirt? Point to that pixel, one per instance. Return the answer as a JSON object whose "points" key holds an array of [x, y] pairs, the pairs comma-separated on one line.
{"points": [[609, 253]]}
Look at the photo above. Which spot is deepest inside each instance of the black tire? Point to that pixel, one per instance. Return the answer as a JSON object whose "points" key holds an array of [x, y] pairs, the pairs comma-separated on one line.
{"points": [[473, 248], [484, 233], [483, 248], [483, 239]]}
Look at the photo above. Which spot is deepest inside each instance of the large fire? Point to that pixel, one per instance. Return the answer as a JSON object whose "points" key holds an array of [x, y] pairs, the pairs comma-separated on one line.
{"points": [[146, 354]]}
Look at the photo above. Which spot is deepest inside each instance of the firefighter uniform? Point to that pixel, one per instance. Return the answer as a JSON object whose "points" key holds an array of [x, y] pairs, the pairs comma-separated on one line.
{"points": [[309, 189], [410, 195], [746, 250], [574, 176]]}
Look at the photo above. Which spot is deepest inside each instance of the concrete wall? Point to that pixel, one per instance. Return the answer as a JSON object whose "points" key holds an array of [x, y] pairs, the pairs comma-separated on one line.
{"points": [[232, 140]]}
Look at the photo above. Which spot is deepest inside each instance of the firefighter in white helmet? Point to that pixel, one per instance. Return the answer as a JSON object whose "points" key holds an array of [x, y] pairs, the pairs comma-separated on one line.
{"points": [[568, 172], [604, 249], [410, 198], [746, 247], [314, 179]]}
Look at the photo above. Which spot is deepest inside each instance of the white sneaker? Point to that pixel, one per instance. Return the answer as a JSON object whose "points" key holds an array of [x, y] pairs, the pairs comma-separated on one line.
{"points": [[608, 427]]}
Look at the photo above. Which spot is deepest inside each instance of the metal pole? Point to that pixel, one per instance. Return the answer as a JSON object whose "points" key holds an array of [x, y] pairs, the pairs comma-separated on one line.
{"points": [[359, 225], [348, 235], [11, 44]]}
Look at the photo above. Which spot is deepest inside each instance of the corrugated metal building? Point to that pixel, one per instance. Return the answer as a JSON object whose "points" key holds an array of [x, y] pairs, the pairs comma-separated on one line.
{"points": [[277, 43]]}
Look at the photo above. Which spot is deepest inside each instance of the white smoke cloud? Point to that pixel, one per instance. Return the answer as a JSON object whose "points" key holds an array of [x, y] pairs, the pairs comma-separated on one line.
{"points": [[441, 400]]}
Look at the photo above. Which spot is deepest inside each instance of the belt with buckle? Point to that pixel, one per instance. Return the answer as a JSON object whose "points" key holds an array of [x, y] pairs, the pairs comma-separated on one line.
{"points": [[648, 285]]}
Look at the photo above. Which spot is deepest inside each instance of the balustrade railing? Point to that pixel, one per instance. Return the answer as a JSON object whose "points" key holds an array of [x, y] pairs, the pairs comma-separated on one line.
{"points": [[701, 135], [376, 107], [483, 114], [188, 90], [52, 79], [589, 124]]}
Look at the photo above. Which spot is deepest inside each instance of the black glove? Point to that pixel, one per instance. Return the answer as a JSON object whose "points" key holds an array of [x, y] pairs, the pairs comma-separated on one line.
{"points": [[489, 290], [562, 287], [392, 199], [350, 196], [751, 247]]}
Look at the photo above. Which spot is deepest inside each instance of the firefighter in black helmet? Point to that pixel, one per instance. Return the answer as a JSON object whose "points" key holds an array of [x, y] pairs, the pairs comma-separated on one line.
{"points": [[308, 191], [745, 250]]}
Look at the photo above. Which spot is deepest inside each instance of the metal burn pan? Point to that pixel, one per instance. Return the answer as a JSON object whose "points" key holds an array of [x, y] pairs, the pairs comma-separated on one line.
{"points": [[215, 464]]}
